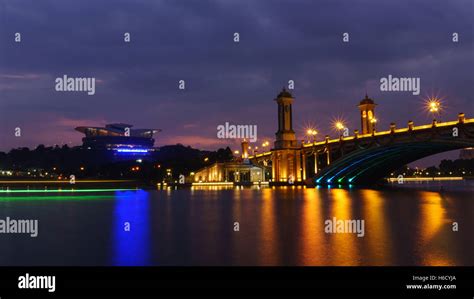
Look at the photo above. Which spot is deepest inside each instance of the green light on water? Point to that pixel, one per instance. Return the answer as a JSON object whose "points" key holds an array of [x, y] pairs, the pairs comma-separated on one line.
{"points": [[63, 191], [59, 197]]}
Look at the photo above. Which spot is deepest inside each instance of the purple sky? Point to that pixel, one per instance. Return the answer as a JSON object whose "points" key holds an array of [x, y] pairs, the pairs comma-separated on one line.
{"points": [[226, 81]]}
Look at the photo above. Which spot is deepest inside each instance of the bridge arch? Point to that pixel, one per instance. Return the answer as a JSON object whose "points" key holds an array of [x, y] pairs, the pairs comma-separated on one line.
{"points": [[366, 166]]}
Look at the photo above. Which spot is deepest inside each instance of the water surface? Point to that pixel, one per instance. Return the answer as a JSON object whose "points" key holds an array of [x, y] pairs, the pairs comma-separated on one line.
{"points": [[277, 226]]}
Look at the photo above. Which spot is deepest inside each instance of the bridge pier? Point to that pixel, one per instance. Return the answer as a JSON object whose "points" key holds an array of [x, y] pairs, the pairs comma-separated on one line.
{"points": [[303, 165], [316, 162], [287, 167]]}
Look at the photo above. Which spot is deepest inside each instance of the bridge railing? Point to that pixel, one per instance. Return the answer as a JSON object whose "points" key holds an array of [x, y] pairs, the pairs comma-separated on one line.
{"points": [[381, 133], [388, 132]]}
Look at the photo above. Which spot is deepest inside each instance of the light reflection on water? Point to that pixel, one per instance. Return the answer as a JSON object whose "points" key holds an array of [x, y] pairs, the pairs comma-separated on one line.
{"points": [[378, 243], [277, 226], [132, 228], [435, 230]]}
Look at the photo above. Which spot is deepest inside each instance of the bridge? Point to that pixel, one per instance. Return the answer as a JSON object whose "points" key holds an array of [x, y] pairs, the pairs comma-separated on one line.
{"points": [[362, 158]]}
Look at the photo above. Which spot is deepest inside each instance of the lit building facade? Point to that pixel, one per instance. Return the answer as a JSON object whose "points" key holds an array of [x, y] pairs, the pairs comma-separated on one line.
{"points": [[467, 153], [120, 138], [236, 172]]}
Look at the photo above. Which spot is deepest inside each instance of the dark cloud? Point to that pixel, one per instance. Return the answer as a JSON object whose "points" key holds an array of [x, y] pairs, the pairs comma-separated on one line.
{"points": [[192, 40]]}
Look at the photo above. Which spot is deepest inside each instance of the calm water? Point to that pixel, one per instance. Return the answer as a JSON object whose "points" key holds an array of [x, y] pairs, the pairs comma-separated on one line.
{"points": [[278, 226]]}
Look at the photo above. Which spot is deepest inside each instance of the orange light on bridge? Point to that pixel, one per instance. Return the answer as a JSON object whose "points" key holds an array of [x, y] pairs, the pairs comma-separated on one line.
{"points": [[433, 105], [339, 125], [311, 134]]}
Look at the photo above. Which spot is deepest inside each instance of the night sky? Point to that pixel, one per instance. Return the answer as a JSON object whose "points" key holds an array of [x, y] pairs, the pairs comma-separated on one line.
{"points": [[226, 81]]}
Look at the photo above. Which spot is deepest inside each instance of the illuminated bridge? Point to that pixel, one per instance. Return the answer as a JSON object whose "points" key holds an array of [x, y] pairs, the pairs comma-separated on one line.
{"points": [[363, 158]]}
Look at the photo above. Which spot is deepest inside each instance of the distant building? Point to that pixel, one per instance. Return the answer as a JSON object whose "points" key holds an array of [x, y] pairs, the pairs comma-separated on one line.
{"points": [[118, 137], [237, 172], [467, 153]]}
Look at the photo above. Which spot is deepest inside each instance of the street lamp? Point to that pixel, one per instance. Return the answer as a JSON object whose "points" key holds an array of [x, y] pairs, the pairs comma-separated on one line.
{"points": [[339, 126], [433, 106], [311, 134], [373, 121]]}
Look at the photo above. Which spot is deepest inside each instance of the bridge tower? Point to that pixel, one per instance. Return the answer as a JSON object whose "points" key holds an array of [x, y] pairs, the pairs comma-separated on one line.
{"points": [[367, 115], [245, 149], [286, 155]]}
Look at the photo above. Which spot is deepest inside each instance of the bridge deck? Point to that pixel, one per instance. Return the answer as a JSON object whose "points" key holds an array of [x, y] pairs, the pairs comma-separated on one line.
{"points": [[368, 136]]}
